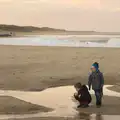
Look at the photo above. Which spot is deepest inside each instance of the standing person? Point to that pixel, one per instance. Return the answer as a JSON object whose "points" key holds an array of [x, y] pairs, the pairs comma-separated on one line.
{"points": [[96, 80]]}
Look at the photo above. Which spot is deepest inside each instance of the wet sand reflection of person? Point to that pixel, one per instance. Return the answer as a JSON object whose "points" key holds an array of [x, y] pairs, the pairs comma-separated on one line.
{"points": [[99, 117], [87, 116], [83, 116]]}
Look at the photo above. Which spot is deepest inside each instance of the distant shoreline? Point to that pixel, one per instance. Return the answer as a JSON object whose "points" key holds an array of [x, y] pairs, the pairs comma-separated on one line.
{"points": [[24, 34], [32, 30], [59, 33]]}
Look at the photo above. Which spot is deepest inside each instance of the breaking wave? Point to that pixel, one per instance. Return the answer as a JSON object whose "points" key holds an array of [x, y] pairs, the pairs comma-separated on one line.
{"points": [[62, 41], [114, 42]]}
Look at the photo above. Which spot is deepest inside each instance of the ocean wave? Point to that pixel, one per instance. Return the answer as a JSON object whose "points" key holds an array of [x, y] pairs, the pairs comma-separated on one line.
{"points": [[56, 41], [113, 42]]}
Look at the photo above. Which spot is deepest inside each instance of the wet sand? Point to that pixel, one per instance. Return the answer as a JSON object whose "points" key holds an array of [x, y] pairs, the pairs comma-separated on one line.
{"points": [[110, 110], [82, 116], [11, 105], [64, 104], [115, 88], [111, 106], [47, 118]]}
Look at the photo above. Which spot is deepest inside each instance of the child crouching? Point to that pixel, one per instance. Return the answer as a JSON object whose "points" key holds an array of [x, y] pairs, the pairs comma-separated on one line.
{"points": [[82, 95]]}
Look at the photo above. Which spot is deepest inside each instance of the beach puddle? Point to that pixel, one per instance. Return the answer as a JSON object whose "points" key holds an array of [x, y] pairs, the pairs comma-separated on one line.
{"points": [[61, 100]]}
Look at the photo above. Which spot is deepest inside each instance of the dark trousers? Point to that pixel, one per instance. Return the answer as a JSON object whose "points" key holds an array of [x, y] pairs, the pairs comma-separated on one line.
{"points": [[99, 94], [82, 101]]}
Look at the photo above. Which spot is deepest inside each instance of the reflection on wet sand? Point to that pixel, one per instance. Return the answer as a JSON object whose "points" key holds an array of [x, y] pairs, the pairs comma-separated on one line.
{"points": [[83, 116], [87, 116], [99, 117]]}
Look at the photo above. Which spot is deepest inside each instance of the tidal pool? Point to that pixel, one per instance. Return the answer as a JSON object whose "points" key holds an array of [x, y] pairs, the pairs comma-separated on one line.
{"points": [[60, 99]]}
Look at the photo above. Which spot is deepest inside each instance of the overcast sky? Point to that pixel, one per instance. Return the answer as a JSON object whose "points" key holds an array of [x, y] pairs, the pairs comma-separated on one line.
{"points": [[100, 15]]}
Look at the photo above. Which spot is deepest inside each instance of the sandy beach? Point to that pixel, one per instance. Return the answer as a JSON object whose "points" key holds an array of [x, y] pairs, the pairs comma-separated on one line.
{"points": [[38, 68]]}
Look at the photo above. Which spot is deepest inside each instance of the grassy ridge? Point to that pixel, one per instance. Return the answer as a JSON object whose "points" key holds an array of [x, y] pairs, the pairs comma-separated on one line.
{"points": [[47, 30], [15, 28]]}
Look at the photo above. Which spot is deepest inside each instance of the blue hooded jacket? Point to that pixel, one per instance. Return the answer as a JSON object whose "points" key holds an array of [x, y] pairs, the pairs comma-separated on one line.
{"points": [[96, 79]]}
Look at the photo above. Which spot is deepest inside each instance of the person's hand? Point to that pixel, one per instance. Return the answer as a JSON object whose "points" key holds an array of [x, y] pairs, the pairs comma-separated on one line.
{"points": [[75, 94]]}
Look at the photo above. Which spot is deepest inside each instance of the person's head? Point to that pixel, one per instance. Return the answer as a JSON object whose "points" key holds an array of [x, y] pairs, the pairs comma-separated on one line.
{"points": [[77, 86], [95, 67], [97, 64]]}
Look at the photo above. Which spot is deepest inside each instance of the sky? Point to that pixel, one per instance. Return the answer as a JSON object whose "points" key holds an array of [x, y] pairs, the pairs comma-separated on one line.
{"points": [[82, 15]]}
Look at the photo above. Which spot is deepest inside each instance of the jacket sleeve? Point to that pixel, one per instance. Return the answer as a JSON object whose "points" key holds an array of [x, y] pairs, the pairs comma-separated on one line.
{"points": [[79, 92], [89, 81], [102, 79]]}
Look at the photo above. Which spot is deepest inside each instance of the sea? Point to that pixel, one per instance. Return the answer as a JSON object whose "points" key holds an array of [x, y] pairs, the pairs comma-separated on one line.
{"points": [[64, 40]]}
